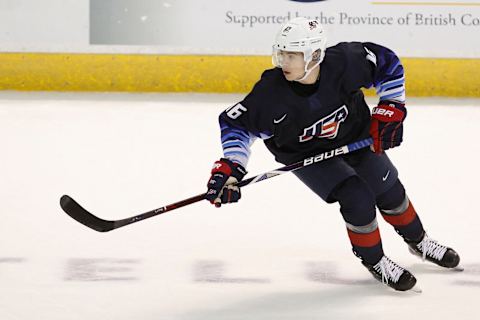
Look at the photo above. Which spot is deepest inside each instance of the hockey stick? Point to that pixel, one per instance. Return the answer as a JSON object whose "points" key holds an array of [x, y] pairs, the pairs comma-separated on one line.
{"points": [[74, 210]]}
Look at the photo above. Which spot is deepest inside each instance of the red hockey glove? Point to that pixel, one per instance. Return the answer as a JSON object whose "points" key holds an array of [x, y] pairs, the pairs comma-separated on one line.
{"points": [[224, 174], [386, 126]]}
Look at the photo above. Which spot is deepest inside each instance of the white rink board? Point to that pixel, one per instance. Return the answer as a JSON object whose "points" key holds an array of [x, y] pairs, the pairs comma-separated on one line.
{"points": [[280, 253]]}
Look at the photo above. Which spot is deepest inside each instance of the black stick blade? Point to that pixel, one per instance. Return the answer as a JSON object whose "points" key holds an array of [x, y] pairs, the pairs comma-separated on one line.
{"points": [[74, 210]]}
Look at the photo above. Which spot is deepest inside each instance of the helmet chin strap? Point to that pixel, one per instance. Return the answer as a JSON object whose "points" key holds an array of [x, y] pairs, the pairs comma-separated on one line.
{"points": [[308, 71]]}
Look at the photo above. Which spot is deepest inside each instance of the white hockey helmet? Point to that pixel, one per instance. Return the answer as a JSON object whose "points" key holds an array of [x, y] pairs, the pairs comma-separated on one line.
{"points": [[301, 35]]}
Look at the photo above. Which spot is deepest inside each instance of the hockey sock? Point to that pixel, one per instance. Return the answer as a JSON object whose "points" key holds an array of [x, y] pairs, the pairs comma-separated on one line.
{"points": [[398, 211], [366, 242], [357, 205]]}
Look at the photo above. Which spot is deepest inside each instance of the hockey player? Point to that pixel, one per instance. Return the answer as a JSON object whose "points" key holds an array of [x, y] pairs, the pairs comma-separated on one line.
{"points": [[311, 103]]}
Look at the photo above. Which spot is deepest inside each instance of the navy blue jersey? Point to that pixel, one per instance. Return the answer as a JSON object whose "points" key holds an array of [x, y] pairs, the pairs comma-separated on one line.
{"points": [[296, 121]]}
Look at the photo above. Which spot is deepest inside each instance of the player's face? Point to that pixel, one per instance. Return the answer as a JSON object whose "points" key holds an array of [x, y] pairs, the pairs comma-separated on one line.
{"points": [[293, 65]]}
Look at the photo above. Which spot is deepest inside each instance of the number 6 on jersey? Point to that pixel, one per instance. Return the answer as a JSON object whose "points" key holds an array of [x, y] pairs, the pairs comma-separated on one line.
{"points": [[235, 111]]}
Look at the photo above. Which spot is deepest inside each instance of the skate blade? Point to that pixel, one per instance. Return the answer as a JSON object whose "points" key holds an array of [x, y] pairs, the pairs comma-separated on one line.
{"points": [[458, 269], [416, 289]]}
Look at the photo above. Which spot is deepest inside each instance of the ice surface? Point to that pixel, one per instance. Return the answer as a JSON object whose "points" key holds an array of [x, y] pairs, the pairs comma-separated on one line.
{"points": [[281, 253]]}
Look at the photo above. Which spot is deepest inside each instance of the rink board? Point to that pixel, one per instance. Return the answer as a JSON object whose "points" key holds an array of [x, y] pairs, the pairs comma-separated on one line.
{"points": [[201, 73]]}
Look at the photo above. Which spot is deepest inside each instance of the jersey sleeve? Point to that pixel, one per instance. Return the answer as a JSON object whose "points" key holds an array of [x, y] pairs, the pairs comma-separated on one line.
{"points": [[389, 78], [236, 142], [369, 64], [242, 123]]}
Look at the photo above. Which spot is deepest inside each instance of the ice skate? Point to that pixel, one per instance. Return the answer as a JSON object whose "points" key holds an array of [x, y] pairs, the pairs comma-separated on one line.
{"points": [[393, 275], [429, 249]]}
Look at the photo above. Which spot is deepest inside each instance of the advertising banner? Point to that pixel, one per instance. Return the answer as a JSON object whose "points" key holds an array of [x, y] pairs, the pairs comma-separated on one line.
{"points": [[411, 28]]}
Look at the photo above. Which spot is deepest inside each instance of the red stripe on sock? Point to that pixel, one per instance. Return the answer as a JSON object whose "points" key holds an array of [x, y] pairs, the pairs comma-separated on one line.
{"points": [[364, 239], [402, 219]]}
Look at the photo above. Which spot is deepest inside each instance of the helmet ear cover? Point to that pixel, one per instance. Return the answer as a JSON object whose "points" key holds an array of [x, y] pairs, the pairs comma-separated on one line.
{"points": [[316, 55]]}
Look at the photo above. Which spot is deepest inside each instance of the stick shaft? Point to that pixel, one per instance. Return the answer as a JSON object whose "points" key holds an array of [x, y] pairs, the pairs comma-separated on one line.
{"points": [[77, 212]]}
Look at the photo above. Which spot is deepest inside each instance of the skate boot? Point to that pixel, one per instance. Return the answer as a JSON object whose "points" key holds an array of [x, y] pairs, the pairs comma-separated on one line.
{"points": [[431, 250], [391, 274]]}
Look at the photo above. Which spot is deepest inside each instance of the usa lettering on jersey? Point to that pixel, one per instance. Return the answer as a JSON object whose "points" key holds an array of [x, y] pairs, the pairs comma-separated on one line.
{"points": [[327, 127]]}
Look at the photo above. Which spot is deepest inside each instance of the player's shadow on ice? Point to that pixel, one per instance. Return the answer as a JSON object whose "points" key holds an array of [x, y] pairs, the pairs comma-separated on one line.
{"points": [[469, 277], [330, 302], [429, 268], [332, 290]]}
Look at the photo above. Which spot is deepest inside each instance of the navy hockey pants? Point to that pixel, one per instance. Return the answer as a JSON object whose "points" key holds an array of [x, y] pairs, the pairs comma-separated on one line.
{"points": [[359, 182]]}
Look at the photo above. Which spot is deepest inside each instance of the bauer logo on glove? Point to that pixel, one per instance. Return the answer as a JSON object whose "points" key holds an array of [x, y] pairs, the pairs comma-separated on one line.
{"points": [[386, 127]]}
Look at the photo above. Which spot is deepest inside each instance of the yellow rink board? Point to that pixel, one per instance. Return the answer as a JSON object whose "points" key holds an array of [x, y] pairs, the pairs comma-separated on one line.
{"points": [[196, 73]]}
